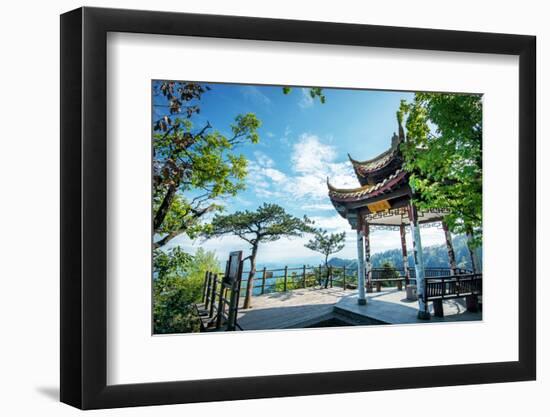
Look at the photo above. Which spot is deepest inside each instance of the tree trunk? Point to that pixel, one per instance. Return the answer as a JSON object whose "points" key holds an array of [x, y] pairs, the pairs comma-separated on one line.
{"points": [[164, 206], [250, 283]]}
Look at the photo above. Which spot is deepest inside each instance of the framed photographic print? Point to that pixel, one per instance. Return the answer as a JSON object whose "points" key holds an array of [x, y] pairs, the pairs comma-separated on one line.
{"points": [[258, 207]]}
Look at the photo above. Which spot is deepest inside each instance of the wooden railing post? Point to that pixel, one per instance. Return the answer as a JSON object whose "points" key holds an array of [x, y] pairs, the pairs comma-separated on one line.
{"points": [[344, 277], [286, 277], [213, 295], [206, 297], [221, 307], [304, 276], [204, 287], [263, 280]]}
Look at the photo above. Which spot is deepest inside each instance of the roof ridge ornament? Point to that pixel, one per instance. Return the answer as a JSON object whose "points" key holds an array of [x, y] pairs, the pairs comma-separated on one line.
{"points": [[400, 128], [353, 161]]}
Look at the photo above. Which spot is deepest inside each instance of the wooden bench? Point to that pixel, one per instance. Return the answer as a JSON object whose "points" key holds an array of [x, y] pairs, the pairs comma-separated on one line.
{"points": [[437, 289], [378, 282]]}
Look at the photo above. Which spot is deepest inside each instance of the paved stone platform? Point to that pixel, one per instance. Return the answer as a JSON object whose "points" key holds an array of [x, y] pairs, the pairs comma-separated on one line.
{"points": [[284, 310], [392, 307]]}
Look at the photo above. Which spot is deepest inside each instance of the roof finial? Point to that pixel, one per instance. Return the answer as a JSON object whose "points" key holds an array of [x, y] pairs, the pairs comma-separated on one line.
{"points": [[400, 126]]}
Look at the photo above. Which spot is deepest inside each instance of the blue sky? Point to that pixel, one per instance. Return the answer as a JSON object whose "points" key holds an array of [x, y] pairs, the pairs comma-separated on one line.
{"points": [[302, 143]]}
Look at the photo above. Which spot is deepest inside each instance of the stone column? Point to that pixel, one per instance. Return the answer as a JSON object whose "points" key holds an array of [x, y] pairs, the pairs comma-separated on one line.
{"points": [[368, 265], [361, 300], [423, 313], [404, 253], [450, 250], [476, 265]]}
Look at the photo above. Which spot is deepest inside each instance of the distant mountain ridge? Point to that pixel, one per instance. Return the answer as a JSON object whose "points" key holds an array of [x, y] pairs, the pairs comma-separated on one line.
{"points": [[434, 257]]}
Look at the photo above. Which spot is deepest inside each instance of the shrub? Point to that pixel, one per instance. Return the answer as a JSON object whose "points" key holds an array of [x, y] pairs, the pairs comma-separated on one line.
{"points": [[177, 285]]}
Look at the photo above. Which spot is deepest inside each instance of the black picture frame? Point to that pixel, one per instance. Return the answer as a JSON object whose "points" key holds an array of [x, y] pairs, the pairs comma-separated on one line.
{"points": [[84, 207]]}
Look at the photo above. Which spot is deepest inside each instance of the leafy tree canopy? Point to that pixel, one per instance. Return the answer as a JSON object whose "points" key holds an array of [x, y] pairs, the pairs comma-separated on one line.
{"points": [[178, 284], [443, 153], [314, 92], [172, 262], [326, 244], [193, 165], [268, 223]]}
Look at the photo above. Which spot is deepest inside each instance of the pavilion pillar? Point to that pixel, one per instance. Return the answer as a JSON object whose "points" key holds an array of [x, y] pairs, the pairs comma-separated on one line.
{"points": [[423, 313], [476, 265], [361, 299], [368, 265], [450, 249], [404, 253]]}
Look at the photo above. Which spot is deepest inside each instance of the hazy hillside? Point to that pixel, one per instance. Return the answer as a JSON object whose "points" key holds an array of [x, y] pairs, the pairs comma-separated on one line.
{"points": [[434, 257]]}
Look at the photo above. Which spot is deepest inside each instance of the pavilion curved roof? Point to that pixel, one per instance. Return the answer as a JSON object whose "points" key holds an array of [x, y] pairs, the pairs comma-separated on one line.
{"points": [[363, 168], [368, 191]]}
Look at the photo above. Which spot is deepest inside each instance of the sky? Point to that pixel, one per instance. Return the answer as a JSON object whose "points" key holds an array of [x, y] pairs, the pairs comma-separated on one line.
{"points": [[302, 142]]}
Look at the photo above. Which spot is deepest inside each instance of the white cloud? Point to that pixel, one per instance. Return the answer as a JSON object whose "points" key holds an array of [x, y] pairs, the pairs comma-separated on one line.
{"points": [[286, 251], [259, 182], [263, 160], [286, 135], [306, 100], [308, 186], [310, 155], [264, 192], [320, 206], [333, 224], [274, 174], [289, 251], [314, 162], [254, 95], [263, 178]]}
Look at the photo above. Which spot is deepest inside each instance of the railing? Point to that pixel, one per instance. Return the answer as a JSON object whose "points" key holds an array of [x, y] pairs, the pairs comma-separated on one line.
{"points": [[268, 281], [387, 277], [220, 307], [306, 276], [439, 272], [452, 287]]}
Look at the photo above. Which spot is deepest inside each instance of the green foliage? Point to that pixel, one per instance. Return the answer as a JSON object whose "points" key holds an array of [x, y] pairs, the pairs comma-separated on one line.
{"points": [[173, 310], [314, 92], [296, 280], [181, 218], [191, 167], [326, 244], [173, 262], [178, 284], [203, 261], [268, 223], [443, 153], [388, 272]]}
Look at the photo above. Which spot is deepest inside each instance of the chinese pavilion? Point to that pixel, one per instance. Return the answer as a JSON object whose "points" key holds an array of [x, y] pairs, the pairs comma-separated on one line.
{"points": [[383, 200]]}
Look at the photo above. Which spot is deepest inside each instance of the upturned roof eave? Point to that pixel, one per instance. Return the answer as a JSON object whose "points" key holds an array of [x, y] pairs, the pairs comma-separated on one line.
{"points": [[340, 195]]}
